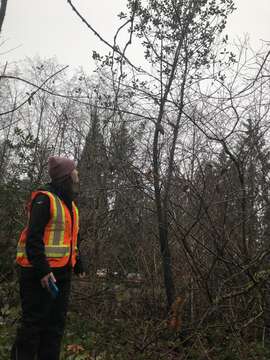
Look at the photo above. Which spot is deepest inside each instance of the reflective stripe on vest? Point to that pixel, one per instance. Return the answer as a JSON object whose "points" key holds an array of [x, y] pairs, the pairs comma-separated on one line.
{"points": [[50, 251], [56, 236], [60, 236]]}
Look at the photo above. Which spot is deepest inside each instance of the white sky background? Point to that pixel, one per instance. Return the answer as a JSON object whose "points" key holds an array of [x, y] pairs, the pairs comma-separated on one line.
{"points": [[50, 28]]}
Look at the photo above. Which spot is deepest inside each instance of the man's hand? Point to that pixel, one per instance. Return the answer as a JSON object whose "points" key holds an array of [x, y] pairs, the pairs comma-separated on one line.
{"points": [[79, 268], [45, 280]]}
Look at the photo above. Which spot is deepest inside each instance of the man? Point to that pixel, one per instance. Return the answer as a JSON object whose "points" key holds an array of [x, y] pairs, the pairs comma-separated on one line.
{"points": [[47, 251]]}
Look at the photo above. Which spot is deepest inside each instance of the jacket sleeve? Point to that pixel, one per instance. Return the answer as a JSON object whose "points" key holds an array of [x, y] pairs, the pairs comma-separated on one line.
{"points": [[35, 250], [79, 266]]}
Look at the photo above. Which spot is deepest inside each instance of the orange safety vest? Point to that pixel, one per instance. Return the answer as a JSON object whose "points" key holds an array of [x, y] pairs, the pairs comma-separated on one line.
{"points": [[60, 236]]}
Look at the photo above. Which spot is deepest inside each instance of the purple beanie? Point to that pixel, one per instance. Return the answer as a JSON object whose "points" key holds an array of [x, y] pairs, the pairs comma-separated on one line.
{"points": [[60, 167]]}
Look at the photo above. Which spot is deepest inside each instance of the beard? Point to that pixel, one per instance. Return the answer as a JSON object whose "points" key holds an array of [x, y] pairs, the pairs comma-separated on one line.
{"points": [[67, 188], [75, 190]]}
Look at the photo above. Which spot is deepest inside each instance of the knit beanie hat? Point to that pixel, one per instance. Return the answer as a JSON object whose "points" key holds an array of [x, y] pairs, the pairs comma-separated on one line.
{"points": [[60, 167]]}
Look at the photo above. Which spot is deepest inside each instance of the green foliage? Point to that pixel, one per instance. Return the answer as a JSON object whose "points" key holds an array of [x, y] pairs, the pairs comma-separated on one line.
{"points": [[126, 338], [12, 199], [195, 23], [9, 314], [130, 339], [5, 341]]}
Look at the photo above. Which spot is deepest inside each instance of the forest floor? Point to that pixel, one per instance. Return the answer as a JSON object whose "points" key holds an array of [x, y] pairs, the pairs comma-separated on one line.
{"points": [[123, 335]]}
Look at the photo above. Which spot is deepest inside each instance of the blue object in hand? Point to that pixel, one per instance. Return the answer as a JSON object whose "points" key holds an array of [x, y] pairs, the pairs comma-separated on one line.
{"points": [[54, 291]]}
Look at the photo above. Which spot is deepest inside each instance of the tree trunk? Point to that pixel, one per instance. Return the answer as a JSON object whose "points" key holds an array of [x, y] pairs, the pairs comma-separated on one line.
{"points": [[2, 12], [166, 262]]}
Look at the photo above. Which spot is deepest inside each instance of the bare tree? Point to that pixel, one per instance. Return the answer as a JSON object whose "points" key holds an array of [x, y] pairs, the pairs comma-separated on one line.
{"points": [[3, 8]]}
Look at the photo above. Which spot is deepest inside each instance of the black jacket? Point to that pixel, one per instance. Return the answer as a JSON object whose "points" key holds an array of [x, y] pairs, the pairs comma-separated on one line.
{"points": [[39, 217]]}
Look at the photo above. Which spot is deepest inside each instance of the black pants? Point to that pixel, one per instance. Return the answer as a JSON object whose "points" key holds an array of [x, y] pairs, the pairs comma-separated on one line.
{"points": [[43, 318]]}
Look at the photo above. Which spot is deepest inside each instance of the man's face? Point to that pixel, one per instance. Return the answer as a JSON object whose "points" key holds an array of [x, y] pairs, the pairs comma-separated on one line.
{"points": [[75, 176], [75, 181]]}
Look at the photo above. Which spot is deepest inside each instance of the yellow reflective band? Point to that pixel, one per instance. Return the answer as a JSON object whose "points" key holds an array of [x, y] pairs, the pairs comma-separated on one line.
{"points": [[57, 252], [57, 234], [50, 251], [62, 234], [54, 217], [76, 217]]}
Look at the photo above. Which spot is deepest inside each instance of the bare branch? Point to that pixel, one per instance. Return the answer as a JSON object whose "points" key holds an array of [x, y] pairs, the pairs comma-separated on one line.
{"points": [[33, 93]]}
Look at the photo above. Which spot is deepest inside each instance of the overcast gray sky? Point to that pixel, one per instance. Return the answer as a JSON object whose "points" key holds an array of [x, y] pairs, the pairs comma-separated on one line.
{"points": [[50, 28]]}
